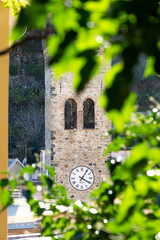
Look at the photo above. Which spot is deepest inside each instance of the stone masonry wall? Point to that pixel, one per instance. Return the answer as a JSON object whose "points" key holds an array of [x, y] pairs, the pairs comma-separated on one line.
{"points": [[74, 147]]}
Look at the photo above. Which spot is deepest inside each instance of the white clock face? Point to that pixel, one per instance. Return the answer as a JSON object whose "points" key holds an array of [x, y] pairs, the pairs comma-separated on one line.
{"points": [[81, 178]]}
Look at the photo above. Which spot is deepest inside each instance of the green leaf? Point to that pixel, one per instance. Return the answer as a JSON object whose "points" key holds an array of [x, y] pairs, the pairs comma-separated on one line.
{"points": [[50, 170], [5, 198], [4, 182], [119, 118], [110, 76], [149, 70], [97, 6], [28, 169], [70, 234], [115, 145], [142, 185], [62, 190], [128, 203], [13, 183], [35, 207], [47, 181], [27, 194]]}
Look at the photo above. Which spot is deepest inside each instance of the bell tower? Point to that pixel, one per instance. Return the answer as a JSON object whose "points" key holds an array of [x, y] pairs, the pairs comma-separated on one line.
{"points": [[75, 130]]}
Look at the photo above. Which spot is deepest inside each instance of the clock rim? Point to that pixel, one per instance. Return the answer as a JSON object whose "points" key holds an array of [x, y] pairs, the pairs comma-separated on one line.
{"points": [[92, 173]]}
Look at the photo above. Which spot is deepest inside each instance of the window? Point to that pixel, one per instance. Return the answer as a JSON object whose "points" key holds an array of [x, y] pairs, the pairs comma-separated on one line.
{"points": [[88, 114], [70, 114]]}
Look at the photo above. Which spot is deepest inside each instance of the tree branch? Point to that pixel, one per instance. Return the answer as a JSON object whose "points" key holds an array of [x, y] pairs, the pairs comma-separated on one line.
{"points": [[32, 35]]}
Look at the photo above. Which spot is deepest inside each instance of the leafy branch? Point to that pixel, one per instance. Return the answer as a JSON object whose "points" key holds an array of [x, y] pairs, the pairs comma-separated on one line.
{"points": [[31, 35]]}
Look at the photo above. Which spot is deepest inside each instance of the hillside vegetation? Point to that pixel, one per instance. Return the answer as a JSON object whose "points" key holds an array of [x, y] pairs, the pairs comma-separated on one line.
{"points": [[26, 101]]}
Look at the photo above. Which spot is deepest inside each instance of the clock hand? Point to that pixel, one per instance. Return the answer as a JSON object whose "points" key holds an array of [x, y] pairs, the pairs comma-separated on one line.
{"points": [[84, 174], [84, 179]]}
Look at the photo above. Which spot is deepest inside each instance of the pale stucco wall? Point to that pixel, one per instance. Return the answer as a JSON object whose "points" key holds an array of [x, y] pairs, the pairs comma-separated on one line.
{"points": [[16, 168]]}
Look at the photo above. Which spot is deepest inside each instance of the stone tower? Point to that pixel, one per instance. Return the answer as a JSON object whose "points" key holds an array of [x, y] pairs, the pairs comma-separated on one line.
{"points": [[75, 130]]}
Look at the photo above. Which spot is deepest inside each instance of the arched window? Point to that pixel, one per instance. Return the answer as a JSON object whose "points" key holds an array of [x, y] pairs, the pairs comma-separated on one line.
{"points": [[70, 114], [88, 114]]}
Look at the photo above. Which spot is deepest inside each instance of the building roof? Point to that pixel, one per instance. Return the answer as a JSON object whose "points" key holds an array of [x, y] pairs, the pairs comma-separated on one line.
{"points": [[13, 161]]}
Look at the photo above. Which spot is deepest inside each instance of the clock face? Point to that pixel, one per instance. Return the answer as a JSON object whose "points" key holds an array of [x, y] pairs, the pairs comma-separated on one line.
{"points": [[81, 178]]}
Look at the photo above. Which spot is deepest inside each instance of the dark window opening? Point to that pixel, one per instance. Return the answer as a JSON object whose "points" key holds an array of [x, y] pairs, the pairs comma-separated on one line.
{"points": [[70, 114], [88, 114]]}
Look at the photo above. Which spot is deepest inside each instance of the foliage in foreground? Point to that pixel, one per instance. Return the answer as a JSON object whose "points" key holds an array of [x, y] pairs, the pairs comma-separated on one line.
{"points": [[124, 207], [127, 207], [15, 5], [119, 28]]}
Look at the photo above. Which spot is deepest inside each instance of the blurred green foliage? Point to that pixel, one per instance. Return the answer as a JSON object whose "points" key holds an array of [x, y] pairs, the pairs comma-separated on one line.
{"points": [[127, 205], [15, 5], [120, 28]]}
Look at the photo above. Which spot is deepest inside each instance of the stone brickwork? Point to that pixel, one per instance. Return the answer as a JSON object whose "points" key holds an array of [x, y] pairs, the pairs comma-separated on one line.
{"points": [[74, 147]]}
